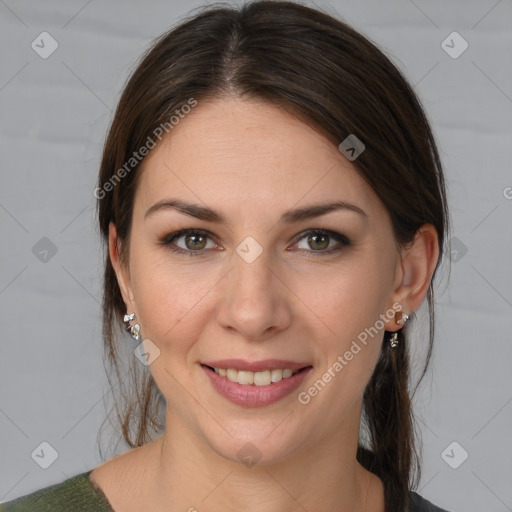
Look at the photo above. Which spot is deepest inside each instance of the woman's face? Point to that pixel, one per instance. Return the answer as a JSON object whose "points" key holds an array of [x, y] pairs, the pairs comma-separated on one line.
{"points": [[259, 284]]}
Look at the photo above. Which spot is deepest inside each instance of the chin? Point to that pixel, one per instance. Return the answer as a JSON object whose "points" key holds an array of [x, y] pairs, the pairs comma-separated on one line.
{"points": [[262, 446]]}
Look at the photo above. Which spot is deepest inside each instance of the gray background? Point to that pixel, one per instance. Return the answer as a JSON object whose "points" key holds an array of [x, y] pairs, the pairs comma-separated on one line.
{"points": [[55, 113]]}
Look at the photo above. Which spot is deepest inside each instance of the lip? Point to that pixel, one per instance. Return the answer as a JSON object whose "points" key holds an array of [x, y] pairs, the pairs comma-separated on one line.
{"points": [[255, 396], [256, 366]]}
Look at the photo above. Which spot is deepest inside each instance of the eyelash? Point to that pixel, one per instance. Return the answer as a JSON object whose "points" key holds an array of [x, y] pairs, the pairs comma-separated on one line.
{"points": [[168, 240]]}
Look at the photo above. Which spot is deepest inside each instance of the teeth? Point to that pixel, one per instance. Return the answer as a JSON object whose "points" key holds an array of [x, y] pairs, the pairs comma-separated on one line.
{"points": [[263, 378]]}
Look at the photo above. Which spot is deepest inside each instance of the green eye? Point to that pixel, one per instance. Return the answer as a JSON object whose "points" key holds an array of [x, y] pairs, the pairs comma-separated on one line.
{"points": [[188, 241], [194, 242], [323, 241]]}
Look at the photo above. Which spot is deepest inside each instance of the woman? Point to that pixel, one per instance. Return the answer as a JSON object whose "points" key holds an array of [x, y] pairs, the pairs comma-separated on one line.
{"points": [[274, 209]]}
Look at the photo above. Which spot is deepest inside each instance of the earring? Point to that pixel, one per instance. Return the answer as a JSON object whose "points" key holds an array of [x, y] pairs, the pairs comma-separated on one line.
{"points": [[402, 318], [134, 329]]}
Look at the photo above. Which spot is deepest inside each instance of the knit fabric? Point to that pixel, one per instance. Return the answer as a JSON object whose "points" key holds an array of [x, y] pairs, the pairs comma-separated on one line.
{"points": [[76, 494]]}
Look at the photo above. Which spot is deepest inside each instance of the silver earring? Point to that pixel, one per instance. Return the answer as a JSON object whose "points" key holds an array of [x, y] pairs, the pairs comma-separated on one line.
{"points": [[393, 341], [134, 329], [403, 318]]}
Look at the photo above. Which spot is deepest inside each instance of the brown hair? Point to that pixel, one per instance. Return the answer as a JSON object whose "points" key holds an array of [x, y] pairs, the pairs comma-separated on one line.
{"points": [[333, 78]]}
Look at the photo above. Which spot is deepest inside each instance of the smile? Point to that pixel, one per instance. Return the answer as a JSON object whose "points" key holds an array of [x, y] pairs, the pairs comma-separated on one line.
{"points": [[255, 388], [263, 378]]}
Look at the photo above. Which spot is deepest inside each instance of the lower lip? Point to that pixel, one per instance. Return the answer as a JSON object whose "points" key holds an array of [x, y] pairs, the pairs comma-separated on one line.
{"points": [[251, 395]]}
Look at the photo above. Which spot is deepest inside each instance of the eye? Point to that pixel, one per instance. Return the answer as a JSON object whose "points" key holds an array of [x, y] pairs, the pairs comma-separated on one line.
{"points": [[188, 241], [322, 241], [195, 242]]}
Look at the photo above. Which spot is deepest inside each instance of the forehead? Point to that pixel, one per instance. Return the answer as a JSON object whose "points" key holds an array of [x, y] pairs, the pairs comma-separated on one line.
{"points": [[238, 155]]}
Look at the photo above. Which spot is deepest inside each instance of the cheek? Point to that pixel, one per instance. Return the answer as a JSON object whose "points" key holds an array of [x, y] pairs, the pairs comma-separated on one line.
{"points": [[172, 306], [349, 300], [349, 350], [171, 299]]}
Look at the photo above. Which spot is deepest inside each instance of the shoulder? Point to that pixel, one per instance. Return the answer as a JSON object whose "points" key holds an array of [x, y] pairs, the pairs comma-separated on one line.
{"points": [[76, 494], [419, 504]]}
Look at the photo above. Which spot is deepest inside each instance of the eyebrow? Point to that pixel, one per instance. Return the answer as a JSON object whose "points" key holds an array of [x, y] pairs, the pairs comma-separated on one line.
{"points": [[289, 217]]}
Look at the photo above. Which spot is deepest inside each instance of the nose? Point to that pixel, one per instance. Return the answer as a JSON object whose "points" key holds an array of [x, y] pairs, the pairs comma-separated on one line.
{"points": [[255, 301]]}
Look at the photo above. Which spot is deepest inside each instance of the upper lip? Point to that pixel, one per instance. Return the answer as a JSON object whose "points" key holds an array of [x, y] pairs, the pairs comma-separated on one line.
{"points": [[255, 366]]}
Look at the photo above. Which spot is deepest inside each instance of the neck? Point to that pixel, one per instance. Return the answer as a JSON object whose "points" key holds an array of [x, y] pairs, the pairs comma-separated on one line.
{"points": [[189, 474]]}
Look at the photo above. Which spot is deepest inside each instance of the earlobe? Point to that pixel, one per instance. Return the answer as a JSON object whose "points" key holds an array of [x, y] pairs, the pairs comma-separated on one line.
{"points": [[418, 264], [122, 273]]}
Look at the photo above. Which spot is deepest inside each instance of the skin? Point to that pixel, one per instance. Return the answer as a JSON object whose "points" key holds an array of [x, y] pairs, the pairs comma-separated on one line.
{"points": [[250, 161]]}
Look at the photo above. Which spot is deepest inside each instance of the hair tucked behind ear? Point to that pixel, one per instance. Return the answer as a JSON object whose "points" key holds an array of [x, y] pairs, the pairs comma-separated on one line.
{"points": [[337, 81]]}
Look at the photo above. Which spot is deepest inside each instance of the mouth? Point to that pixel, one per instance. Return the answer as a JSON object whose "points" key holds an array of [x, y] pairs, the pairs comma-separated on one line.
{"points": [[255, 378], [255, 384]]}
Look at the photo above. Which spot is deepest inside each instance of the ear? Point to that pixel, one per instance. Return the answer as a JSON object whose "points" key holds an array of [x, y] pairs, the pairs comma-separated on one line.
{"points": [[414, 271], [122, 273]]}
